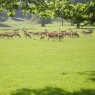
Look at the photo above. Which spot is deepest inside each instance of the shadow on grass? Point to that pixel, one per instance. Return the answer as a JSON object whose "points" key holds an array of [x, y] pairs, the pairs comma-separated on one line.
{"points": [[85, 28], [92, 79], [88, 28], [4, 25], [51, 91], [17, 19], [90, 74]]}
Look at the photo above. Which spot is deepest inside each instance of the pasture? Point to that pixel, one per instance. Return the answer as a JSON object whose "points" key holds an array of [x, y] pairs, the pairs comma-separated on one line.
{"points": [[47, 67]]}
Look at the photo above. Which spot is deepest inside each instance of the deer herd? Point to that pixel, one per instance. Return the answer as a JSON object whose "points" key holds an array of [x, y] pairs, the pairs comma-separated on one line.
{"points": [[60, 34]]}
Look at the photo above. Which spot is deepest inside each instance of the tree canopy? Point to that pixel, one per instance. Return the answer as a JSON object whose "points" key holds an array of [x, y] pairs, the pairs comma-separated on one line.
{"points": [[67, 9]]}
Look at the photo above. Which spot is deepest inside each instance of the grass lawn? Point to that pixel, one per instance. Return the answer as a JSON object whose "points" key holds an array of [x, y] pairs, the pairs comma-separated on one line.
{"points": [[42, 67]]}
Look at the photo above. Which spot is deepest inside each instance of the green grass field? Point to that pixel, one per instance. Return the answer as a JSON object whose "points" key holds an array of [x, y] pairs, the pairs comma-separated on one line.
{"points": [[42, 67]]}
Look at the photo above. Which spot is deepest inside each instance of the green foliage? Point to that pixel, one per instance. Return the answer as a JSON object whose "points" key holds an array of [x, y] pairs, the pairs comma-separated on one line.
{"points": [[1, 9], [11, 13], [90, 11], [78, 12]]}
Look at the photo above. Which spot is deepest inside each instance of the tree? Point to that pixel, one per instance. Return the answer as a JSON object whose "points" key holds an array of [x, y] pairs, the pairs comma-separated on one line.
{"points": [[9, 5], [90, 11], [84, 13], [42, 9], [62, 9], [79, 14]]}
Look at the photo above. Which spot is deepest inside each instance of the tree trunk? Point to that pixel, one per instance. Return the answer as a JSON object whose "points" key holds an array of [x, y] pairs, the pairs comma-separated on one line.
{"points": [[42, 22], [72, 23], [62, 21], [78, 25], [91, 23]]}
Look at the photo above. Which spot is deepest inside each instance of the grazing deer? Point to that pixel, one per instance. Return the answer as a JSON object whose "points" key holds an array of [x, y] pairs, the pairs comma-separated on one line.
{"points": [[42, 37], [88, 32], [27, 34], [17, 34], [74, 34], [1, 35]]}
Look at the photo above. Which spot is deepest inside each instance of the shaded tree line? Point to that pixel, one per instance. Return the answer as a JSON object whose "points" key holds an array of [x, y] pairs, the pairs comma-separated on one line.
{"points": [[78, 11]]}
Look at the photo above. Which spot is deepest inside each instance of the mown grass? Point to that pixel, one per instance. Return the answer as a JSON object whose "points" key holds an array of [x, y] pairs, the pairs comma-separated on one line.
{"points": [[37, 64]]}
